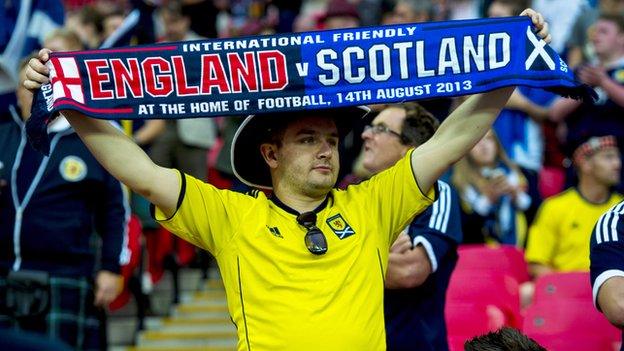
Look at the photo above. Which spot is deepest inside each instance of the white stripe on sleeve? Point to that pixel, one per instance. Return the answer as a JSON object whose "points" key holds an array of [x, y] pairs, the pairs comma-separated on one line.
{"points": [[429, 250], [601, 279]]}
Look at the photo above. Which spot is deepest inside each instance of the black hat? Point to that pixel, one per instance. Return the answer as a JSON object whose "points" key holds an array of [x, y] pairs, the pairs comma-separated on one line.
{"points": [[247, 162]]}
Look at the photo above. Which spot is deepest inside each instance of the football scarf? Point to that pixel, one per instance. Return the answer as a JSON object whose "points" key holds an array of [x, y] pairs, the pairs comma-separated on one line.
{"points": [[295, 71]]}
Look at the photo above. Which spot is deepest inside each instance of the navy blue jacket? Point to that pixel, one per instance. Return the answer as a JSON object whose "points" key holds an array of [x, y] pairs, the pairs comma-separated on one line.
{"points": [[607, 250], [415, 317], [51, 207]]}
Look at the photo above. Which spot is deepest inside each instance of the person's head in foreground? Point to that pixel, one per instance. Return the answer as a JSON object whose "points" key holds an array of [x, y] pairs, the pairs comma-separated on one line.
{"points": [[293, 153], [504, 339]]}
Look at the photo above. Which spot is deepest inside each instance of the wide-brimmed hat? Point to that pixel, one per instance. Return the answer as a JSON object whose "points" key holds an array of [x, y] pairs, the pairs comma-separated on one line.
{"points": [[247, 162]]}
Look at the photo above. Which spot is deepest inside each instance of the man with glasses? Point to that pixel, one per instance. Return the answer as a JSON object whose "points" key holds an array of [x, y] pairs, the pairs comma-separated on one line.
{"points": [[424, 255], [304, 268]]}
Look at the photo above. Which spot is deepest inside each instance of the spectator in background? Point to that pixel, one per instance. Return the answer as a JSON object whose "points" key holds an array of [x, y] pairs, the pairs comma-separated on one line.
{"points": [[63, 39], [23, 27], [203, 16], [250, 17], [87, 24], [607, 265], [410, 11], [458, 9], [519, 125], [561, 14], [580, 48], [506, 8], [50, 211], [176, 23], [494, 193], [340, 14], [606, 75], [423, 257], [184, 143], [558, 238]]}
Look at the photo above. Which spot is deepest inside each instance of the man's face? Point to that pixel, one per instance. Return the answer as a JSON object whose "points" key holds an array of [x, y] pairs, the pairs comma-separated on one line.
{"points": [[176, 26], [497, 9], [605, 166], [606, 38], [384, 149], [307, 160], [403, 13], [110, 25], [484, 153]]}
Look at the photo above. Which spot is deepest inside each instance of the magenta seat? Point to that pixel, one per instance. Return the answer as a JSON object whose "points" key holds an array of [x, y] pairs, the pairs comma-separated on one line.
{"points": [[465, 320], [573, 285], [506, 259], [487, 288], [569, 324]]}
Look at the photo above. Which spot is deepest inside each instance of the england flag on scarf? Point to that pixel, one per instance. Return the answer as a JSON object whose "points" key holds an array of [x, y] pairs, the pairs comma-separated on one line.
{"points": [[65, 79]]}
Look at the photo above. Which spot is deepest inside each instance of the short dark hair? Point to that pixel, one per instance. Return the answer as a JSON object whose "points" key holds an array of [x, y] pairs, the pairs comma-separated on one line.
{"points": [[516, 5], [504, 339], [419, 124], [618, 19]]}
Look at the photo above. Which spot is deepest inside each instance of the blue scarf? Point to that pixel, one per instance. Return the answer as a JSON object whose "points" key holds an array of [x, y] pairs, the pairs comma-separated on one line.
{"points": [[296, 71]]}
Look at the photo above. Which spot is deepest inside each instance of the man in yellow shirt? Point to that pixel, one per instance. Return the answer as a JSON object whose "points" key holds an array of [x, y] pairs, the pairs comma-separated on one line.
{"points": [[303, 269], [558, 238]]}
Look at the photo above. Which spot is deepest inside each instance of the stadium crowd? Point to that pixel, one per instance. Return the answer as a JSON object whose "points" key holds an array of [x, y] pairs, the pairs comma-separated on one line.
{"points": [[516, 212]]}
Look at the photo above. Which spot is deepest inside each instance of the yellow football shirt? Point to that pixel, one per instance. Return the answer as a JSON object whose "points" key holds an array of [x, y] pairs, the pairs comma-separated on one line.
{"points": [[282, 297], [559, 237]]}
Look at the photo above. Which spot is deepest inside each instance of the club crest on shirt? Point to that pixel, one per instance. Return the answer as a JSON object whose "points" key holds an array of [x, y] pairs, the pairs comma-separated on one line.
{"points": [[73, 169], [619, 75], [339, 226]]}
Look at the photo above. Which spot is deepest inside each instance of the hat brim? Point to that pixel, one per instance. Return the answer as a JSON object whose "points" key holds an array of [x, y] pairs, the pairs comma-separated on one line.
{"points": [[248, 164]]}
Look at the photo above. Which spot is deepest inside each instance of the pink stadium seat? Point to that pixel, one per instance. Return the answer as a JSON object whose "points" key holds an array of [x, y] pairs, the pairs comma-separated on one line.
{"points": [[487, 288], [505, 259], [465, 320], [569, 324], [573, 285]]}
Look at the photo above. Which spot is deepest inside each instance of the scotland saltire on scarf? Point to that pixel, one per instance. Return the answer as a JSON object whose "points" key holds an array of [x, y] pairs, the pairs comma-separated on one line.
{"points": [[295, 71]]}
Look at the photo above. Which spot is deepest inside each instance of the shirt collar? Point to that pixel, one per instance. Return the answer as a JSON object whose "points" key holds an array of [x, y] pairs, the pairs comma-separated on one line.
{"points": [[291, 210]]}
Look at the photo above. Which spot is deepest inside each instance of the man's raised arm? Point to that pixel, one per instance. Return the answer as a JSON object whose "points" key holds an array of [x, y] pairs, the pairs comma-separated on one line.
{"points": [[125, 160], [465, 126]]}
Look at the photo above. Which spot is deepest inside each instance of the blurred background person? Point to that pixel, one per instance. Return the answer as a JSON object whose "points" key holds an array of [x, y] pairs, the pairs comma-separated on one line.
{"points": [[493, 192], [57, 277], [558, 237], [580, 48], [519, 125], [606, 75], [423, 257], [24, 26]]}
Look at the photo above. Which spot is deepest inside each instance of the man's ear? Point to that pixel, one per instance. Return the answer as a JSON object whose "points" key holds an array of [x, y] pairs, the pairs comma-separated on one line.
{"points": [[584, 164], [269, 153]]}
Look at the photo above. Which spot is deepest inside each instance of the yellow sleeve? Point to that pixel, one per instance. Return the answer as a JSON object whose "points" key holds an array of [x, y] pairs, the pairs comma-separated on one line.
{"points": [[205, 216], [543, 235], [393, 198]]}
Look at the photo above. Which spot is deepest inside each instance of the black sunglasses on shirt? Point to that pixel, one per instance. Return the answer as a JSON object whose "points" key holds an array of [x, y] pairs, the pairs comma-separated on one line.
{"points": [[314, 239]]}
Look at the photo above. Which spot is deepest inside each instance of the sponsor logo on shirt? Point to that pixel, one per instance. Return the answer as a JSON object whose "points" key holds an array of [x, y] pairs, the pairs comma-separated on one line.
{"points": [[275, 231]]}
